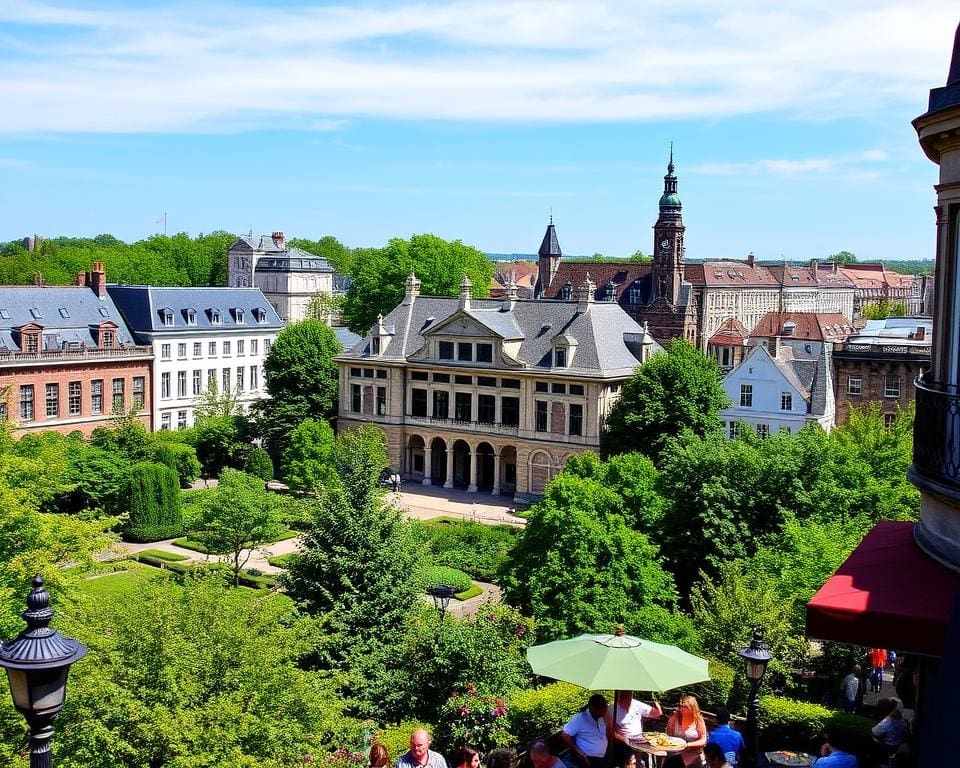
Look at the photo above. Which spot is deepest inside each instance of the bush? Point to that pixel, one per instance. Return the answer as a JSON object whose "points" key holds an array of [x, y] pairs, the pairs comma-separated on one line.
{"points": [[161, 554], [718, 690], [153, 493], [537, 712], [257, 582], [472, 718], [396, 738], [181, 458], [187, 543], [258, 464], [478, 549], [796, 724], [441, 574], [282, 561]]}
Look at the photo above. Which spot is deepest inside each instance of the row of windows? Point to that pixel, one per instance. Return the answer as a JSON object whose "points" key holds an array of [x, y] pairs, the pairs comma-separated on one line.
{"points": [[379, 406], [466, 351], [215, 315], [891, 385], [763, 430], [556, 387], [212, 347], [53, 406], [746, 398], [574, 418], [197, 383], [368, 373]]}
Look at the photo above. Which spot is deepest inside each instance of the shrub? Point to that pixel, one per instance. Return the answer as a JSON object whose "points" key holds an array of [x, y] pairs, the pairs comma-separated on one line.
{"points": [[718, 690], [187, 543], [472, 592], [258, 464], [181, 458], [468, 717], [282, 561], [795, 724], [257, 582], [396, 738], [254, 572], [478, 549], [153, 494], [536, 712], [441, 574], [161, 554]]}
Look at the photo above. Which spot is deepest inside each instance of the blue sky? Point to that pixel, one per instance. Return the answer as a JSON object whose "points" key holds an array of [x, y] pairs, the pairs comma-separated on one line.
{"points": [[472, 119]]}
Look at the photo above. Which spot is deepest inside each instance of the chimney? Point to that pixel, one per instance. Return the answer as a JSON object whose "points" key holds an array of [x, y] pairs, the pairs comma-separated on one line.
{"points": [[584, 294], [750, 259], [773, 346], [411, 289], [97, 279], [836, 267], [510, 296], [465, 286], [814, 265], [278, 240], [81, 279]]}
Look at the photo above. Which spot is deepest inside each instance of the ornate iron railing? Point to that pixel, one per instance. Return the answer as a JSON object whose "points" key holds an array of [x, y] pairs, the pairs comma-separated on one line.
{"points": [[936, 442]]}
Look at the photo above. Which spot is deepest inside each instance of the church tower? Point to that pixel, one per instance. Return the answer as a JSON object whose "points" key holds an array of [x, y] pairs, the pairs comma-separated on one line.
{"points": [[668, 241], [549, 260]]}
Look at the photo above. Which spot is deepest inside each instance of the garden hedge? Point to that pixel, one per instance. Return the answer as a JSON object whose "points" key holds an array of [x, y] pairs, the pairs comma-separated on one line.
{"points": [[396, 738], [441, 574], [480, 550], [536, 712], [180, 457], [791, 724], [161, 554], [152, 492]]}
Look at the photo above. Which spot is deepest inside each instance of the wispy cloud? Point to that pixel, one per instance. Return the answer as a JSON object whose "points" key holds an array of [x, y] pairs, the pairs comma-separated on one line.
{"points": [[859, 165], [217, 66]]}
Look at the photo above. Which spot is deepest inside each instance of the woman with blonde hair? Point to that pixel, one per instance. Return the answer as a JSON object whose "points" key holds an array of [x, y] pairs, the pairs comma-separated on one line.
{"points": [[686, 722], [379, 756]]}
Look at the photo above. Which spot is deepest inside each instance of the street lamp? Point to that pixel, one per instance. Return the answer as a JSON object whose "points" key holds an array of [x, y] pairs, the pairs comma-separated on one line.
{"points": [[441, 594], [37, 663], [755, 656]]}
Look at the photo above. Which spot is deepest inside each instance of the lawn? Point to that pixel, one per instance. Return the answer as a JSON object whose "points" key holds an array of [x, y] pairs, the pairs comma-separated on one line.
{"points": [[187, 543], [121, 584]]}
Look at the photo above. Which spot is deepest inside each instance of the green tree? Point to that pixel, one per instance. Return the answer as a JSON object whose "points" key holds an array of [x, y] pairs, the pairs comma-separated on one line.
{"points": [[842, 257], [577, 567], [219, 444], [378, 276], [151, 492], [308, 461], [672, 392], [258, 464], [361, 456], [302, 380], [195, 675], [329, 248], [639, 257], [884, 309], [235, 518]]}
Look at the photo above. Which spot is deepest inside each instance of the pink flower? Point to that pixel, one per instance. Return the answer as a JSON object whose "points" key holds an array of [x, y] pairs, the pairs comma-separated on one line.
{"points": [[491, 617], [464, 710], [521, 631]]}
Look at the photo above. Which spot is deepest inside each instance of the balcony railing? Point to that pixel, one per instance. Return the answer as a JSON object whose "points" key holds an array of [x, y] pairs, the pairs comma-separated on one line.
{"points": [[936, 443], [77, 353], [472, 426]]}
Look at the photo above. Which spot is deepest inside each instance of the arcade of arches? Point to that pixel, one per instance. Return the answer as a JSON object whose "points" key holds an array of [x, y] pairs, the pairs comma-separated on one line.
{"points": [[485, 465]]}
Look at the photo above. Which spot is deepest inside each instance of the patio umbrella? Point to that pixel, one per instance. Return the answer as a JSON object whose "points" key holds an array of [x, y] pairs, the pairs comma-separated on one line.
{"points": [[618, 661]]}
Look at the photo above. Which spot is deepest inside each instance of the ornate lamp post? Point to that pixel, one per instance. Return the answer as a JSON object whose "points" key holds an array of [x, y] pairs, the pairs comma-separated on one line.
{"points": [[441, 594], [37, 663], [755, 656]]}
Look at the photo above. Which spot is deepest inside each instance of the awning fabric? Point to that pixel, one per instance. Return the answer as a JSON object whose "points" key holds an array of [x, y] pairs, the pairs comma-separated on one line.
{"points": [[887, 594]]}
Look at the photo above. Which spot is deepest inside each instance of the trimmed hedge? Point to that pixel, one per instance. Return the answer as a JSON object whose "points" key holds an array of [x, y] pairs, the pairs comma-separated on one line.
{"points": [[161, 554], [796, 724], [472, 592], [153, 494], [283, 561], [396, 738], [479, 550], [719, 690], [441, 574], [180, 457], [187, 543], [536, 712]]}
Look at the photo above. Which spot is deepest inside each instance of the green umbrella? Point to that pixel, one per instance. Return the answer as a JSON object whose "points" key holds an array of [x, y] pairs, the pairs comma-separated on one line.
{"points": [[618, 661]]}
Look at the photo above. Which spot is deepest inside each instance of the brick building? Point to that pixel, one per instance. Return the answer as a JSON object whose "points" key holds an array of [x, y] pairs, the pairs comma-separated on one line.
{"points": [[68, 361], [880, 364]]}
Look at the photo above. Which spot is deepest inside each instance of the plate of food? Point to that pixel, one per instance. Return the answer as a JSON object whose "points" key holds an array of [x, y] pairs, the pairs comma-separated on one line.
{"points": [[788, 758], [664, 742]]}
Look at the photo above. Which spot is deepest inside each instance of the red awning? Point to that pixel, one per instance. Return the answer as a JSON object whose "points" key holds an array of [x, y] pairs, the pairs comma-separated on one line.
{"points": [[887, 594]]}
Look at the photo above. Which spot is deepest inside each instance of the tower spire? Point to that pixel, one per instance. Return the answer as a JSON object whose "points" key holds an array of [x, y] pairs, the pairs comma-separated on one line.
{"points": [[670, 164]]}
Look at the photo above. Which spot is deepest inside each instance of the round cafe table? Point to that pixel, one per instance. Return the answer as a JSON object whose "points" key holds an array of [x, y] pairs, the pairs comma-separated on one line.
{"points": [[655, 755], [792, 760]]}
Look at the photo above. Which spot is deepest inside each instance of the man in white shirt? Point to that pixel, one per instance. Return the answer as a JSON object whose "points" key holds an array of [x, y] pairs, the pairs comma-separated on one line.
{"points": [[851, 687], [586, 734], [628, 714]]}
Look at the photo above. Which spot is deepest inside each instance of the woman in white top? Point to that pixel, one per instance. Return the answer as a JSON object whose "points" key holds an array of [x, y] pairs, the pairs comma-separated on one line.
{"points": [[687, 723]]}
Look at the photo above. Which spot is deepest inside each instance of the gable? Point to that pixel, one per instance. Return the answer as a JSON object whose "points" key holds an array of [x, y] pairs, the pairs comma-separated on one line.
{"points": [[461, 325]]}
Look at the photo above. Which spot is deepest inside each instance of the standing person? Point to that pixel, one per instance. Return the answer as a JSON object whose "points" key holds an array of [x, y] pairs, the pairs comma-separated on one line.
{"points": [[586, 734], [379, 756], [687, 723], [850, 687], [713, 756], [466, 757], [626, 725], [420, 754], [878, 660], [729, 740]]}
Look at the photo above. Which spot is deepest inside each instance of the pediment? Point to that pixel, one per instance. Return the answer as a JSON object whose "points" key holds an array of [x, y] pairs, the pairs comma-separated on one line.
{"points": [[460, 324]]}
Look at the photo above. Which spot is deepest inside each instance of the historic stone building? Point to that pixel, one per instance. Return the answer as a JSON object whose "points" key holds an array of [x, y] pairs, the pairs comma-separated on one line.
{"points": [[490, 395]]}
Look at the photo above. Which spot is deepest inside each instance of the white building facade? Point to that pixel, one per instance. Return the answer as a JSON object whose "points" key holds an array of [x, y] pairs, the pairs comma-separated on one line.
{"points": [[201, 337]]}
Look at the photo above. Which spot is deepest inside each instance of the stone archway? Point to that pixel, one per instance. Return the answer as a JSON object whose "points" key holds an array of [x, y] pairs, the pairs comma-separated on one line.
{"points": [[541, 471], [461, 464], [438, 461], [415, 458], [485, 467], [508, 470]]}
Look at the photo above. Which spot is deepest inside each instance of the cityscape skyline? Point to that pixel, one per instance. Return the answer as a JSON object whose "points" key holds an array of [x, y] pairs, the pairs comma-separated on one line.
{"points": [[474, 121]]}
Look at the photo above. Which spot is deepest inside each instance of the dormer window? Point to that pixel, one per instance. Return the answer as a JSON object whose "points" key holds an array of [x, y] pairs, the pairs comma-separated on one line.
{"points": [[567, 291], [215, 318], [238, 315], [560, 357], [64, 313], [166, 316], [191, 316], [375, 345], [260, 314], [35, 313]]}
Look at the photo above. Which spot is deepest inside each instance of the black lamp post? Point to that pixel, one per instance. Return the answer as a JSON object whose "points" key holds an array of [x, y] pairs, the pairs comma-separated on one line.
{"points": [[37, 663], [755, 656], [441, 594]]}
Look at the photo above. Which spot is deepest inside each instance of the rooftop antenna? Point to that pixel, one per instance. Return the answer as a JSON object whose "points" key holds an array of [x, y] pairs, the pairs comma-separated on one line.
{"points": [[551, 214]]}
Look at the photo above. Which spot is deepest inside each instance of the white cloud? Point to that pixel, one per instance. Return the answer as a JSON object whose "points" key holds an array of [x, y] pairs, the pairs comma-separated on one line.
{"points": [[220, 67], [862, 165]]}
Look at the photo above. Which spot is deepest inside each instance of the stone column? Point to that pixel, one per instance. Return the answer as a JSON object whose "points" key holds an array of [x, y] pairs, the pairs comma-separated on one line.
{"points": [[496, 474], [427, 466], [448, 483], [472, 488]]}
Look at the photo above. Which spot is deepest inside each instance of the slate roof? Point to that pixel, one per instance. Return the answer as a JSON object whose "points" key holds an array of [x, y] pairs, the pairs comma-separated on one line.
{"points": [[550, 246], [604, 333], [346, 337], [141, 306], [84, 312], [292, 260], [816, 326], [263, 243], [622, 273], [824, 276]]}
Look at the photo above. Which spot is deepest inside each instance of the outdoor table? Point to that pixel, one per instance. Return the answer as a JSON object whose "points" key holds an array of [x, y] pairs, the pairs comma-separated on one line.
{"points": [[657, 753], [791, 759]]}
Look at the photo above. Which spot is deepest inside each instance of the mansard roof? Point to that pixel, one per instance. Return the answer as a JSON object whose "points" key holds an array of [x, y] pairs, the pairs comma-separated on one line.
{"points": [[621, 273], [815, 326]]}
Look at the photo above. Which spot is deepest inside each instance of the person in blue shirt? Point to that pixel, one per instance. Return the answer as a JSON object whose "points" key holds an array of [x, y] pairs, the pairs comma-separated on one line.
{"points": [[834, 757], [729, 740]]}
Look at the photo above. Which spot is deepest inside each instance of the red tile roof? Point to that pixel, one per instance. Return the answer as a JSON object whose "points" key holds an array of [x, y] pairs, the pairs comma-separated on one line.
{"points": [[622, 273], [823, 277], [818, 326]]}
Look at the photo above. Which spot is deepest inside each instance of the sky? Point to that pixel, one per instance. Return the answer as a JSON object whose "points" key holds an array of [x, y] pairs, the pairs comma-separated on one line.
{"points": [[475, 119]]}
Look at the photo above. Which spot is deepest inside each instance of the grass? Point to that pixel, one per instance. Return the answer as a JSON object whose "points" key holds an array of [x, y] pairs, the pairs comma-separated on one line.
{"points": [[472, 592], [187, 543], [160, 554], [282, 561], [121, 584]]}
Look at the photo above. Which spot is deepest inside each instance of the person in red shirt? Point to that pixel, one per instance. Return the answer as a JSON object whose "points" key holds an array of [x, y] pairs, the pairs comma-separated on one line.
{"points": [[878, 660]]}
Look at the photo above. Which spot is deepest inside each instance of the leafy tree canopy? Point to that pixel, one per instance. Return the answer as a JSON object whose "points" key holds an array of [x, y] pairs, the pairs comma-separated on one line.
{"points": [[378, 275], [672, 392], [842, 257], [308, 461]]}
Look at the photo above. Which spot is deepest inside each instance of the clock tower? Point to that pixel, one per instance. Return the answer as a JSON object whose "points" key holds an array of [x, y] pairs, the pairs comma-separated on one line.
{"points": [[668, 241]]}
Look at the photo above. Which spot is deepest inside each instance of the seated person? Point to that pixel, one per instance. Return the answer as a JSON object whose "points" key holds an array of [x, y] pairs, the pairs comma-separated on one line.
{"points": [[893, 729], [713, 756], [541, 758], [586, 734], [466, 757], [729, 740], [687, 723], [832, 756]]}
